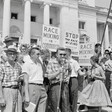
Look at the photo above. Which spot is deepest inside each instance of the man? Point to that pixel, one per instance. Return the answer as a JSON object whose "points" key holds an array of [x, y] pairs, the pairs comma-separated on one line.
{"points": [[108, 72], [58, 71], [45, 57], [33, 69], [73, 83], [105, 58], [9, 41], [10, 98], [97, 50]]}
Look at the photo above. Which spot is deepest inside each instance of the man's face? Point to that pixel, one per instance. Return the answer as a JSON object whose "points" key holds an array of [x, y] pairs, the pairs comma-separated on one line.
{"points": [[107, 54], [23, 49], [36, 54], [11, 56], [98, 49], [67, 54], [61, 54]]}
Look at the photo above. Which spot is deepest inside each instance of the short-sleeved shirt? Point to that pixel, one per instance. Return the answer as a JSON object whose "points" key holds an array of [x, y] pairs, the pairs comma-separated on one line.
{"points": [[75, 67], [9, 75], [34, 72], [109, 64], [52, 67]]}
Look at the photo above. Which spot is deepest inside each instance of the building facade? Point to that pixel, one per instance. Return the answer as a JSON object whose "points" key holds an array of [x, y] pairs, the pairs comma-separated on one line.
{"points": [[54, 23]]}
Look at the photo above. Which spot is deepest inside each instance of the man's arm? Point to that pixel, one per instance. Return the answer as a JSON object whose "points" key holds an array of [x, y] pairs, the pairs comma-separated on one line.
{"points": [[2, 100], [53, 75], [26, 89], [80, 72], [78, 69], [25, 71]]}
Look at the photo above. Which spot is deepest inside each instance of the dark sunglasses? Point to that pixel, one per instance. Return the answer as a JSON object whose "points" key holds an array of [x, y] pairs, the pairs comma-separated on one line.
{"points": [[62, 54], [38, 54]]}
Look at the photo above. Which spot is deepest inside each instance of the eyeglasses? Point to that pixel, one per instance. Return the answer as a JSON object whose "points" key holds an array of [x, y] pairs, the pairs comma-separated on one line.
{"points": [[11, 53], [62, 54], [38, 54]]}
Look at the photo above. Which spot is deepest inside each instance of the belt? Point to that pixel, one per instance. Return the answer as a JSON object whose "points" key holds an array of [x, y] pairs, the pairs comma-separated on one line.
{"points": [[36, 84], [12, 87], [73, 77], [58, 83]]}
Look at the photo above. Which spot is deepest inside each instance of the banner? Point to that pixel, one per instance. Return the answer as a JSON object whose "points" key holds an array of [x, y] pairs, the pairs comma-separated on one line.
{"points": [[86, 50], [50, 37]]}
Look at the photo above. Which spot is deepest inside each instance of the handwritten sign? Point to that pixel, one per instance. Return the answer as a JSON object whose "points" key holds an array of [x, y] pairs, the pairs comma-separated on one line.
{"points": [[72, 42], [50, 37], [86, 50]]}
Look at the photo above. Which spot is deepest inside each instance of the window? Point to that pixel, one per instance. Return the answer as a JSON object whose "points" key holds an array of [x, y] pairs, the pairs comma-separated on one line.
{"points": [[33, 18], [14, 15], [81, 25], [33, 41], [51, 21]]}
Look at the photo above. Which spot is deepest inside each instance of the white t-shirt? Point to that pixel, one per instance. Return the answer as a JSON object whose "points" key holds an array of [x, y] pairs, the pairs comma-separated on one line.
{"points": [[26, 58], [34, 71], [75, 67]]}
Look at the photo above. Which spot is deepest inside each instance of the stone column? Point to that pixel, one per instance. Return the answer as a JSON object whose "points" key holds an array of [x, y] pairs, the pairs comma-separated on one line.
{"points": [[106, 38], [6, 18], [46, 13], [27, 22]]}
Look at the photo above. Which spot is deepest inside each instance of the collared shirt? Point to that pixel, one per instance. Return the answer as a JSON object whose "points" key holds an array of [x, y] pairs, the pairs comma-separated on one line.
{"points": [[75, 67], [108, 65], [34, 71], [26, 58], [52, 67], [9, 75]]}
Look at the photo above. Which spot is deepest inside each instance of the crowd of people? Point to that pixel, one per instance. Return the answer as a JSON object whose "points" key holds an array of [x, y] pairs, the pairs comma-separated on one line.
{"points": [[32, 75]]}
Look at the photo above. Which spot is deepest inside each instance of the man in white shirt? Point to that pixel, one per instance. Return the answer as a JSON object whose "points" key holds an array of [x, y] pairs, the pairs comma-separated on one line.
{"points": [[33, 68], [73, 83], [108, 68]]}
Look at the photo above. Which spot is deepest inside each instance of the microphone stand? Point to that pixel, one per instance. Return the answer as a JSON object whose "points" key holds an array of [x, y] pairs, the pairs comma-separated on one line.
{"points": [[61, 81]]}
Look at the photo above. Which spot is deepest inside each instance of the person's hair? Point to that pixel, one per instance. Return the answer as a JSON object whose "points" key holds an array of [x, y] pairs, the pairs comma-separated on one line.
{"points": [[69, 50], [45, 52], [95, 59], [60, 48], [110, 52], [106, 51], [97, 45], [32, 51]]}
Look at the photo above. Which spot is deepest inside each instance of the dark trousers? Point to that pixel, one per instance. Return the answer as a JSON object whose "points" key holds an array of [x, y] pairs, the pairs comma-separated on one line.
{"points": [[64, 97], [73, 91], [80, 82], [108, 81]]}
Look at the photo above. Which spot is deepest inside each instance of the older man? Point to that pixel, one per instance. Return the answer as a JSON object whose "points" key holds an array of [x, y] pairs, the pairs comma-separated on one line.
{"points": [[10, 98], [33, 69]]}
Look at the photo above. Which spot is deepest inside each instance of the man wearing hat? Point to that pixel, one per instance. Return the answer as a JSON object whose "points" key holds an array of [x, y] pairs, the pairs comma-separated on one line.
{"points": [[9, 41], [10, 98]]}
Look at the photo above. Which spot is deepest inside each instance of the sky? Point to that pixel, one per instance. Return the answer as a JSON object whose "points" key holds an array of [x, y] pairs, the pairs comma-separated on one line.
{"points": [[103, 3]]}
